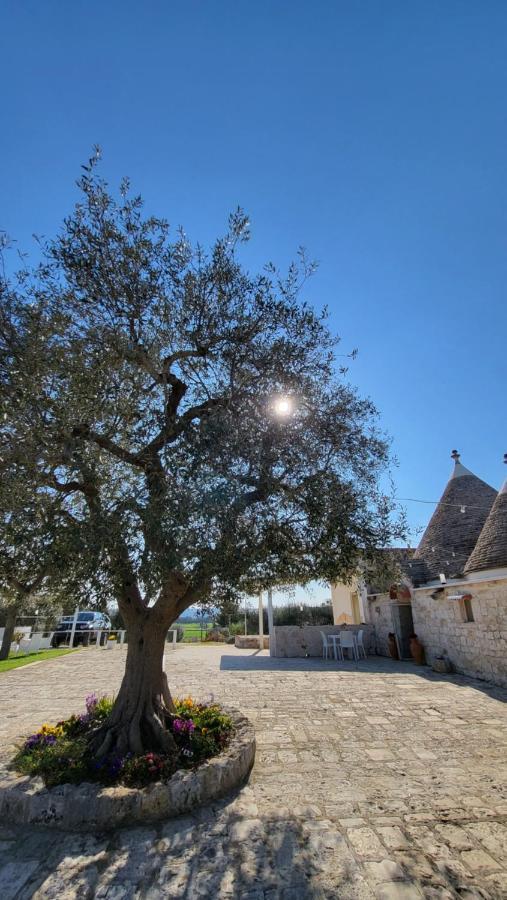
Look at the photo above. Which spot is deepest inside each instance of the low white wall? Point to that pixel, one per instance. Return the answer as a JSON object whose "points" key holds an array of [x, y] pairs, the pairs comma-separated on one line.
{"points": [[293, 640], [25, 630]]}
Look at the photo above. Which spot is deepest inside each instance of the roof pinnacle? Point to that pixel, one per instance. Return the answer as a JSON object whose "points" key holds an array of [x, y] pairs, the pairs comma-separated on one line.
{"points": [[456, 456]]}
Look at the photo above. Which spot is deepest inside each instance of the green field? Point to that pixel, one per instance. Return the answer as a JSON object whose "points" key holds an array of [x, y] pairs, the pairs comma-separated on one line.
{"points": [[24, 659], [193, 630]]}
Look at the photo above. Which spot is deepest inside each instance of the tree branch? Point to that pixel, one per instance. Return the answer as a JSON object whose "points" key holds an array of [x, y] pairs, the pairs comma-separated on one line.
{"points": [[84, 431]]}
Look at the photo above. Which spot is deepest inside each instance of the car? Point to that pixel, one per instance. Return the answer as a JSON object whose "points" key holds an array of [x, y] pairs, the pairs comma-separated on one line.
{"points": [[88, 626]]}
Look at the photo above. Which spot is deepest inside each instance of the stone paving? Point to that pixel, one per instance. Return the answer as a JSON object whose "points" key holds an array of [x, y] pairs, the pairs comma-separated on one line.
{"points": [[372, 780]]}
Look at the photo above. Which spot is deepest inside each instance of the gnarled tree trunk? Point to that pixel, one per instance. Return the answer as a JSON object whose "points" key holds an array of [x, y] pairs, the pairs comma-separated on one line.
{"points": [[141, 716]]}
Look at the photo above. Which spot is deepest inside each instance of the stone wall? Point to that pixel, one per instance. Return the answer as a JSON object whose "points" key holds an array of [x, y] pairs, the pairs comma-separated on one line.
{"points": [[250, 641], [293, 640], [379, 615], [477, 648], [97, 807]]}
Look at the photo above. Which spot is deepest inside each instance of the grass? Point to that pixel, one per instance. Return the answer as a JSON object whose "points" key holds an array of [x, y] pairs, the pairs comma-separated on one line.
{"points": [[193, 630], [24, 659]]}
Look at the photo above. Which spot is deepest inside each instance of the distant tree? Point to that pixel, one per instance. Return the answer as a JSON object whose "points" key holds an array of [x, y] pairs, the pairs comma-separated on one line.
{"points": [[228, 612], [192, 418]]}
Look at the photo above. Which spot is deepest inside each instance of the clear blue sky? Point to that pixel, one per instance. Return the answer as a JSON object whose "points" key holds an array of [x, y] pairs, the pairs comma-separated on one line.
{"points": [[373, 133]]}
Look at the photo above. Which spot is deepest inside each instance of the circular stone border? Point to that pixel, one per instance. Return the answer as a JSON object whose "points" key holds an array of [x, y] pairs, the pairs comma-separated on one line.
{"points": [[95, 807]]}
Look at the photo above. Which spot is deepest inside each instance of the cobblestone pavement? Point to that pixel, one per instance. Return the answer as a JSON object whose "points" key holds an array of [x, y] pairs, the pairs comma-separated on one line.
{"points": [[372, 780]]}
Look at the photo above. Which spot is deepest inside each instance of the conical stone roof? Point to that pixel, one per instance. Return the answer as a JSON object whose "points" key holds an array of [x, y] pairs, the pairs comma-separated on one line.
{"points": [[490, 551], [456, 524]]}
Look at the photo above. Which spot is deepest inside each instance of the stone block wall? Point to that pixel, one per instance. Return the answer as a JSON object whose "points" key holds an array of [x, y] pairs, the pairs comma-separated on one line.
{"points": [[291, 640], [250, 641], [379, 615], [477, 648]]}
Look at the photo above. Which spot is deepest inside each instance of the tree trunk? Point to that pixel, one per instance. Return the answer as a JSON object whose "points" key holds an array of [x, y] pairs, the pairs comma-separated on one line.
{"points": [[10, 624], [141, 716]]}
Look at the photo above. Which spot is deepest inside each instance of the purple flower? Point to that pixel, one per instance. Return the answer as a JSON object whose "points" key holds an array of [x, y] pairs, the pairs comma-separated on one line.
{"points": [[39, 740], [91, 701], [182, 726], [115, 765]]}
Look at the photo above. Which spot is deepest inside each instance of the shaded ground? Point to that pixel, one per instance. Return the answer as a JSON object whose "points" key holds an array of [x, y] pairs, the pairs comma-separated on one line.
{"points": [[372, 780]]}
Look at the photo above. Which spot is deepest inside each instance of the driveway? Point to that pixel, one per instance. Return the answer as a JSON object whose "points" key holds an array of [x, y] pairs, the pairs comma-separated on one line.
{"points": [[372, 780]]}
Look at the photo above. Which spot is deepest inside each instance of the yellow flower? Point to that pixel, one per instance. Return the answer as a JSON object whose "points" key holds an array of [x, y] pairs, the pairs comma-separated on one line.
{"points": [[204, 730], [51, 729]]}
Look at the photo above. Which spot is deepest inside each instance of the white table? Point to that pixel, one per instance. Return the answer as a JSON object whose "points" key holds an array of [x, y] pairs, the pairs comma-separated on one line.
{"points": [[336, 637]]}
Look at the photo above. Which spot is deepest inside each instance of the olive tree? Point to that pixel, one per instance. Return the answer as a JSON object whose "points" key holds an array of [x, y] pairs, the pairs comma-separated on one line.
{"points": [[40, 564], [193, 420]]}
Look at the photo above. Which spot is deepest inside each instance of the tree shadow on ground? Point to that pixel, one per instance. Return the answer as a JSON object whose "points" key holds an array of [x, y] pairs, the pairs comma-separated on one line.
{"points": [[374, 665], [218, 852], [230, 849]]}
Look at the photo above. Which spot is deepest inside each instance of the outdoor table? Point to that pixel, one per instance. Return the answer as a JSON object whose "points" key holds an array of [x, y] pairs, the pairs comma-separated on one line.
{"points": [[336, 637]]}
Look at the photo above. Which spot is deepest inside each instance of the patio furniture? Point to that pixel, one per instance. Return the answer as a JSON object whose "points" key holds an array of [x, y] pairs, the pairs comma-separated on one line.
{"points": [[327, 645], [348, 642], [337, 650], [360, 644]]}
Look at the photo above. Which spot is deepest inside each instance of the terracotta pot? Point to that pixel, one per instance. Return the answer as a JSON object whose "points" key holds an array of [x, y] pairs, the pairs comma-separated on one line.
{"points": [[417, 650], [392, 646]]}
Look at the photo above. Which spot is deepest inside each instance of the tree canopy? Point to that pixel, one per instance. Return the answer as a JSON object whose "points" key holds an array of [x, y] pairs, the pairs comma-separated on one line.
{"points": [[142, 380]]}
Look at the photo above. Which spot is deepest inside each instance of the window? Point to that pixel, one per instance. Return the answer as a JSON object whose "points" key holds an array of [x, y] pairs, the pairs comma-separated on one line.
{"points": [[466, 609], [469, 613]]}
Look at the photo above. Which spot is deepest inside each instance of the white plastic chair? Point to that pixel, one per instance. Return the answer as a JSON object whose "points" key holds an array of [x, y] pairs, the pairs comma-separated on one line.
{"points": [[360, 644], [327, 646], [347, 642]]}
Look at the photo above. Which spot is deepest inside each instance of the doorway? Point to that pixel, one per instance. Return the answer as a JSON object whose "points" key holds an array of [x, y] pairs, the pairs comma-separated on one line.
{"points": [[403, 624]]}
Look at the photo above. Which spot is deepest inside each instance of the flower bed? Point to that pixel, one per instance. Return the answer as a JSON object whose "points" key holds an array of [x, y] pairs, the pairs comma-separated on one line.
{"points": [[105, 800], [59, 753]]}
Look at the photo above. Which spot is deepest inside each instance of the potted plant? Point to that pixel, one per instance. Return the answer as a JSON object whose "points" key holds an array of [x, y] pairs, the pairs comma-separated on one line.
{"points": [[442, 664], [416, 650]]}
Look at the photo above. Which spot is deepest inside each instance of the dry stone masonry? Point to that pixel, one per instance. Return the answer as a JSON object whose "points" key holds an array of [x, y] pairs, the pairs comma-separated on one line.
{"points": [[371, 780]]}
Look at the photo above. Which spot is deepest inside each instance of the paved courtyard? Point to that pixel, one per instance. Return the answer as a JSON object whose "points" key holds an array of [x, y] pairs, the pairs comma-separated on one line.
{"points": [[372, 780]]}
